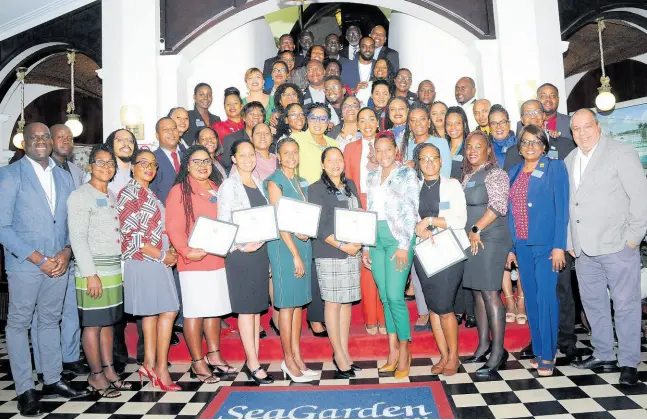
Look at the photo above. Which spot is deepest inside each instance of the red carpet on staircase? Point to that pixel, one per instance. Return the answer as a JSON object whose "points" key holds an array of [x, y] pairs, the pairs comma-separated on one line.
{"points": [[362, 345]]}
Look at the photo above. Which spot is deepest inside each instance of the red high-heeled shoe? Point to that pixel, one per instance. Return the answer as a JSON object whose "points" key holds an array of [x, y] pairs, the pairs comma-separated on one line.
{"points": [[170, 387], [151, 376]]}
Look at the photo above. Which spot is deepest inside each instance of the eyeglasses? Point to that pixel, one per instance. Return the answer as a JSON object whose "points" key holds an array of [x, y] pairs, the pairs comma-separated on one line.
{"points": [[429, 159], [321, 119], [105, 163], [531, 143], [427, 91], [289, 95], [535, 113], [201, 162], [144, 164], [255, 115], [296, 116], [279, 71], [501, 123], [350, 106], [403, 77]]}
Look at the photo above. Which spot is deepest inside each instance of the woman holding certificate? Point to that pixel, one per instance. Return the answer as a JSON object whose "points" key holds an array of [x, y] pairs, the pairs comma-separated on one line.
{"points": [[149, 286], [203, 280], [248, 263], [290, 259], [538, 218], [337, 264], [393, 193], [442, 206], [486, 189]]}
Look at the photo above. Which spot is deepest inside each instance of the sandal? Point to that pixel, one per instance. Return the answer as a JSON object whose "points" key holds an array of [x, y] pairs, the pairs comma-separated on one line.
{"points": [[119, 383], [205, 378], [371, 330], [521, 318], [545, 368], [228, 369], [108, 392], [510, 317]]}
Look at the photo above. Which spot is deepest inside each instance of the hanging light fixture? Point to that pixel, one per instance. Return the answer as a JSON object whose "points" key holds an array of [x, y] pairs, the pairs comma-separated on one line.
{"points": [[18, 138], [73, 120], [605, 100]]}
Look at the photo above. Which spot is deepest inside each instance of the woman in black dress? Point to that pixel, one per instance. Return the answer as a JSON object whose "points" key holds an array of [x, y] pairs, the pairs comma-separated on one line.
{"points": [[248, 265], [486, 193], [441, 206]]}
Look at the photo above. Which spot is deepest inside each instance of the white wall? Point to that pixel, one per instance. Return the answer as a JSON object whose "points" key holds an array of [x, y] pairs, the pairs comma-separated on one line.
{"points": [[430, 53], [223, 64]]}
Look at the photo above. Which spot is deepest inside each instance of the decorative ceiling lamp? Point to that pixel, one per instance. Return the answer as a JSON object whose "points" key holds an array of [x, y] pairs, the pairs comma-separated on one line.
{"points": [[73, 120], [18, 138], [605, 100]]}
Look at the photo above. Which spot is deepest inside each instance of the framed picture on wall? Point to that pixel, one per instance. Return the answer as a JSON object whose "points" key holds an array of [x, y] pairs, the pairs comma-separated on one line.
{"points": [[627, 123]]}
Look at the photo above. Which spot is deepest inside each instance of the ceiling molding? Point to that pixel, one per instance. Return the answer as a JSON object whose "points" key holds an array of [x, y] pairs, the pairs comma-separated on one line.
{"points": [[35, 17]]}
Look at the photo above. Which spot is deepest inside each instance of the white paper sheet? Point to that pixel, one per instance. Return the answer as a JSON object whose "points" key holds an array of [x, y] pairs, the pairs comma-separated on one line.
{"points": [[355, 226], [257, 224], [214, 236], [298, 216], [445, 251]]}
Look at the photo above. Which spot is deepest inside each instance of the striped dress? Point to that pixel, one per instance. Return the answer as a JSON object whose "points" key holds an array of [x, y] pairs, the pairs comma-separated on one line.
{"points": [[96, 244]]}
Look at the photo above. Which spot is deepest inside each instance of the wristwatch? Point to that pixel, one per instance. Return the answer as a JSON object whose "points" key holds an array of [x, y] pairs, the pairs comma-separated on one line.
{"points": [[475, 229]]}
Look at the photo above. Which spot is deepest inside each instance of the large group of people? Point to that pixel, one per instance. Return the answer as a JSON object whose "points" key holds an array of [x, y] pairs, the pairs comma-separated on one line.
{"points": [[340, 128]]}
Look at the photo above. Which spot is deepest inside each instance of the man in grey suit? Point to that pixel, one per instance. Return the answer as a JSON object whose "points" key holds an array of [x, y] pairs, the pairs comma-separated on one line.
{"points": [[33, 231], [608, 220], [62, 151]]}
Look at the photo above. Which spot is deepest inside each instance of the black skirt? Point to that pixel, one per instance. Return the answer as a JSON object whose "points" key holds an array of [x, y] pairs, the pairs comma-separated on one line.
{"points": [[440, 289]]}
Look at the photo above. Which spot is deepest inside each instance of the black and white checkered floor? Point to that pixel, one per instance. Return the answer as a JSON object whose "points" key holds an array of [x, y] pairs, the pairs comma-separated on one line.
{"points": [[516, 392]]}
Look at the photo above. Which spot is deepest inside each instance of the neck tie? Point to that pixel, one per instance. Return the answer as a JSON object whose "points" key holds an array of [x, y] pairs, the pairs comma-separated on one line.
{"points": [[176, 162], [372, 160]]}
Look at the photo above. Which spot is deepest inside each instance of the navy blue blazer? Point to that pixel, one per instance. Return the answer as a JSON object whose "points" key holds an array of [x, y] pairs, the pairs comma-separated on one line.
{"points": [[165, 177], [26, 221], [350, 73], [548, 195]]}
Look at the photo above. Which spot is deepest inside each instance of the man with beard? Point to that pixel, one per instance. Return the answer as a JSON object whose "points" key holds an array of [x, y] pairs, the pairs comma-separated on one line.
{"points": [[427, 93], [378, 33], [557, 124], [358, 72], [315, 90], [62, 151], [403, 81], [464, 92], [334, 97], [34, 233], [353, 36], [481, 113]]}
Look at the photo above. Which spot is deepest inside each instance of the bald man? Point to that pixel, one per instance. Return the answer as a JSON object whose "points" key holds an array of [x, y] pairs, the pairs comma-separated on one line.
{"points": [[465, 91], [481, 112], [378, 34], [34, 233]]}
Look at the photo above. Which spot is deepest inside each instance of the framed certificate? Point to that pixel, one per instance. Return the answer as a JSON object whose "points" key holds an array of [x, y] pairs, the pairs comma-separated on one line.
{"points": [[445, 251], [257, 224], [296, 216], [214, 236], [356, 226]]}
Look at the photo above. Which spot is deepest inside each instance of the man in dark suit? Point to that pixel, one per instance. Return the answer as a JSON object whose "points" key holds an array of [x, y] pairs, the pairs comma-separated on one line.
{"points": [[353, 36], [532, 112], [286, 43], [358, 72], [252, 113], [333, 49], [378, 33], [557, 124]]}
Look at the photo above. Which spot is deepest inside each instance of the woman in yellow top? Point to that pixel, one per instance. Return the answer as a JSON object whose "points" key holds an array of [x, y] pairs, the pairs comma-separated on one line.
{"points": [[313, 141]]}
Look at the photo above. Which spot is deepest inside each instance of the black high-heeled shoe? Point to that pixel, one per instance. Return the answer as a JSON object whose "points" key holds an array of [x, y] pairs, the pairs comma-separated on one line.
{"points": [[459, 318], [479, 359], [274, 327], [343, 374], [251, 376], [321, 334], [487, 370]]}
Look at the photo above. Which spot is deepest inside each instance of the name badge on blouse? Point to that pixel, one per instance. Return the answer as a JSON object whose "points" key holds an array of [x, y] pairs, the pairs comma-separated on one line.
{"points": [[505, 149], [443, 205], [304, 184], [552, 154], [213, 198], [199, 123], [341, 196], [470, 184], [537, 174], [307, 101], [102, 202], [458, 158]]}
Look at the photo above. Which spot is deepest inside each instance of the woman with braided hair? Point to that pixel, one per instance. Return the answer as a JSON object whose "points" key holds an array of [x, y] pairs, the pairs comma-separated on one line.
{"points": [[205, 294]]}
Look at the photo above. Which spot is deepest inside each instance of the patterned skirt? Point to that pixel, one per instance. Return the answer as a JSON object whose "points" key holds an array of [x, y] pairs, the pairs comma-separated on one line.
{"points": [[109, 308], [339, 278]]}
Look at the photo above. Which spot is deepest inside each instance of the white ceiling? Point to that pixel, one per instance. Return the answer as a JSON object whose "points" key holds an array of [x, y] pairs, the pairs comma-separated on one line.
{"points": [[17, 16]]}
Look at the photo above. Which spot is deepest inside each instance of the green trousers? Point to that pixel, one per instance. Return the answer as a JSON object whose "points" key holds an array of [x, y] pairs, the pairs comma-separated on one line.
{"points": [[391, 282]]}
